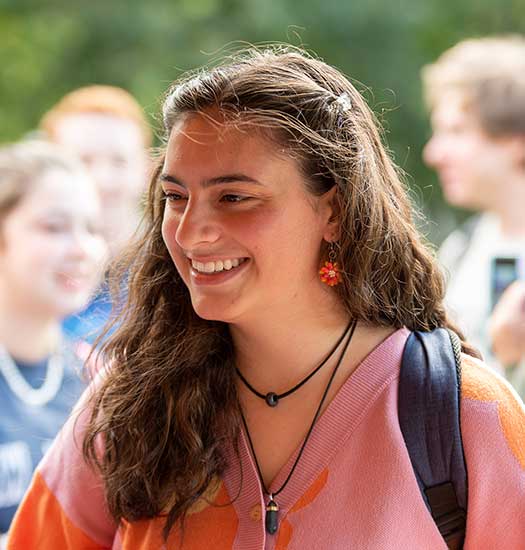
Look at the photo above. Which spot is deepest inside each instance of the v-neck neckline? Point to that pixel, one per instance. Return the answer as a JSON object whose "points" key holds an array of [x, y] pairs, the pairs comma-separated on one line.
{"points": [[340, 418]]}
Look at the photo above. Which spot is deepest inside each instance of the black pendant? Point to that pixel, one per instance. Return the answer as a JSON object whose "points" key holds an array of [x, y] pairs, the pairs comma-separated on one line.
{"points": [[272, 399], [271, 521]]}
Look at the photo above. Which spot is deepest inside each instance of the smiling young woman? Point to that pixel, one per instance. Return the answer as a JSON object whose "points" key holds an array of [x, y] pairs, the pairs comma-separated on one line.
{"points": [[231, 199], [250, 401]]}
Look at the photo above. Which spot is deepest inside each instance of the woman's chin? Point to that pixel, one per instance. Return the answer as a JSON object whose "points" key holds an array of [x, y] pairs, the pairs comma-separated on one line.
{"points": [[212, 316], [213, 312]]}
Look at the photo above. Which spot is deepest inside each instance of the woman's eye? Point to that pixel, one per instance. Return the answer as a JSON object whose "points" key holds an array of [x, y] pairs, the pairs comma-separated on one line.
{"points": [[169, 196], [233, 198]]}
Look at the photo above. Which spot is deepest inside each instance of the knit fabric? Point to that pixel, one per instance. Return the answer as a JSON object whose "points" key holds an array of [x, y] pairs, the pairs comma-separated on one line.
{"points": [[354, 487]]}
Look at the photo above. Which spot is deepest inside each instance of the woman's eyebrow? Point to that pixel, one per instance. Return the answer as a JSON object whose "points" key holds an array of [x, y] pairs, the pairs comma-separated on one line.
{"points": [[227, 178]]}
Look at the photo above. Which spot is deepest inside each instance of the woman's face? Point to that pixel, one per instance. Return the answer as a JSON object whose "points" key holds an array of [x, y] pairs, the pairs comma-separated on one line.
{"points": [[242, 230], [51, 250]]}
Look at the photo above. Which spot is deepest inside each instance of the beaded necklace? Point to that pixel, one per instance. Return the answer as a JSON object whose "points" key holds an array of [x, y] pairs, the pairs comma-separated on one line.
{"points": [[272, 398], [18, 385]]}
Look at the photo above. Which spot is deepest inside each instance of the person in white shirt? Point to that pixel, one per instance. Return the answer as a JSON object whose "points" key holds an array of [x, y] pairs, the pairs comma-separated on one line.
{"points": [[476, 95]]}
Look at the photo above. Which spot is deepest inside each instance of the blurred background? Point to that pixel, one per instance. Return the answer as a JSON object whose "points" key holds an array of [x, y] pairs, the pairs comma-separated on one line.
{"points": [[48, 48]]}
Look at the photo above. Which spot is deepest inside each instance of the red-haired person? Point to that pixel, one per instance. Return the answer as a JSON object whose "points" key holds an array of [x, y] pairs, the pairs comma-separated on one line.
{"points": [[106, 128]]}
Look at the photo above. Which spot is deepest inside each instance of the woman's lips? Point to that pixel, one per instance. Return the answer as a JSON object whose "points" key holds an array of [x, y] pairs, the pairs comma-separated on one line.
{"points": [[218, 277]]}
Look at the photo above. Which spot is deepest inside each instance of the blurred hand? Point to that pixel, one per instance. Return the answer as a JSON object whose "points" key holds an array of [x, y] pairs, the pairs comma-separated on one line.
{"points": [[507, 325]]}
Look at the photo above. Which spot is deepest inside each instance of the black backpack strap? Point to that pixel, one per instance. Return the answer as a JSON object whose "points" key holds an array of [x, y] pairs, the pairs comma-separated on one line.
{"points": [[429, 417]]}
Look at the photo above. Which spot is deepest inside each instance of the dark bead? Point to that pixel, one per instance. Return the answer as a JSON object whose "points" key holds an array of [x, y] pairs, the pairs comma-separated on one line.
{"points": [[271, 521], [271, 399]]}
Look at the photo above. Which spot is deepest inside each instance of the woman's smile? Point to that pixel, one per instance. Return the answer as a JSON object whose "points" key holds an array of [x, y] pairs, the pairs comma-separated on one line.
{"points": [[216, 266], [217, 272]]}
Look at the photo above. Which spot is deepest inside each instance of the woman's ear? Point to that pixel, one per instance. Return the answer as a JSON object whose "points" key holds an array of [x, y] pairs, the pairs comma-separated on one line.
{"points": [[332, 209]]}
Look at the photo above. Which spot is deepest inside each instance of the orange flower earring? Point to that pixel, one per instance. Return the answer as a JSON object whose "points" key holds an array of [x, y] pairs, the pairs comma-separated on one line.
{"points": [[329, 273]]}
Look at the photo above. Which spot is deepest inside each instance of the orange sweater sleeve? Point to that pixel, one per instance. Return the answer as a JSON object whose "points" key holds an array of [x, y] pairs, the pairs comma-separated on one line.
{"points": [[41, 524]]}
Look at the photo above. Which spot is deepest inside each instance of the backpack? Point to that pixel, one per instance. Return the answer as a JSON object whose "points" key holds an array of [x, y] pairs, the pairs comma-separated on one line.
{"points": [[429, 417]]}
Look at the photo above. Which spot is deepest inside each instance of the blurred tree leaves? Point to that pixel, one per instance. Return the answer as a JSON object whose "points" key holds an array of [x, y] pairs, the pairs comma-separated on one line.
{"points": [[50, 47]]}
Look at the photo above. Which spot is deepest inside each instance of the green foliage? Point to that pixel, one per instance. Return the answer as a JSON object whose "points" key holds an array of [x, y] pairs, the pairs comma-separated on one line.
{"points": [[49, 48]]}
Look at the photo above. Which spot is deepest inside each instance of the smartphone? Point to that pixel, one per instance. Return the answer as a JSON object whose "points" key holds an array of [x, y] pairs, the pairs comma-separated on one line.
{"points": [[504, 271]]}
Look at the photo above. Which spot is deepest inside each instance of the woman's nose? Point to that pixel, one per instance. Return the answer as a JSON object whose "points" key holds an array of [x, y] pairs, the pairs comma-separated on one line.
{"points": [[198, 225]]}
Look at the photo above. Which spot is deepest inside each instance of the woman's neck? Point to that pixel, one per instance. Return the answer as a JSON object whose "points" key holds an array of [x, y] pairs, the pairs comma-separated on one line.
{"points": [[27, 337], [275, 352]]}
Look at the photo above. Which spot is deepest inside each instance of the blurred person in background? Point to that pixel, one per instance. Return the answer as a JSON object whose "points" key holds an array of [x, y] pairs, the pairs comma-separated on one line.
{"points": [[105, 127], [51, 248], [476, 94]]}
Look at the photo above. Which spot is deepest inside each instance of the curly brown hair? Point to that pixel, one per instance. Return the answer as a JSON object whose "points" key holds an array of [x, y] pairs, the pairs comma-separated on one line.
{"points": [[169, 400]]}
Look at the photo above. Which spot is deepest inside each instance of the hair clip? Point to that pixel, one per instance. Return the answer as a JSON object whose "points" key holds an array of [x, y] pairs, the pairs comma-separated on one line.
{"points": [[344, 102], [341, 104]]}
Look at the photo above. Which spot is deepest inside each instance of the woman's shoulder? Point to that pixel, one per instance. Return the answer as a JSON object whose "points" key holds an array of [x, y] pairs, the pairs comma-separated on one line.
{"points": [[493, 435], [491, 402], [481, 383]]}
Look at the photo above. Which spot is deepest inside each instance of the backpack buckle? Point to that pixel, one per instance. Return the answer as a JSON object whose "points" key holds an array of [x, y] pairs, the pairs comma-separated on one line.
{"points": [[449, 517]]}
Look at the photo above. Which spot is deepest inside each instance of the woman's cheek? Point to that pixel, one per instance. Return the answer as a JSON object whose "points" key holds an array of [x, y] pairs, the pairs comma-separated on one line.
{"points": [[169, 235], [169, 229]]}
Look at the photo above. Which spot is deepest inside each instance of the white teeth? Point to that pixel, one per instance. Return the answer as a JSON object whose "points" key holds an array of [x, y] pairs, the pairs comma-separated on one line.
{"points": [[216, 267]]}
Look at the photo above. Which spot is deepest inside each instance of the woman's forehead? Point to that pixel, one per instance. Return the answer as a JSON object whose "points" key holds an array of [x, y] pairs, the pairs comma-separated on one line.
{"points": [[198, 139]]}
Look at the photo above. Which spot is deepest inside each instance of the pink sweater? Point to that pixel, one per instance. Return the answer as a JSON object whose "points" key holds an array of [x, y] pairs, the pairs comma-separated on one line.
{"points": [[354, 487]]}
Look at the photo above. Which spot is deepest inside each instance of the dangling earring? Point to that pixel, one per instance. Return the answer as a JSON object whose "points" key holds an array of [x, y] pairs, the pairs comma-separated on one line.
{"points": [[330, 274]]}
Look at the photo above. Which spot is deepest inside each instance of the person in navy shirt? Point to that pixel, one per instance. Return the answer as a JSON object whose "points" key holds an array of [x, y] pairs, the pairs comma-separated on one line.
{"points": [[52, 255]]}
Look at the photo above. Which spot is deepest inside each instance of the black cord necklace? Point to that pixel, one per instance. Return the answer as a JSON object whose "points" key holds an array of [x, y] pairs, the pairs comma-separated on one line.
{"points": [[272, 508], [272, 398]]}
